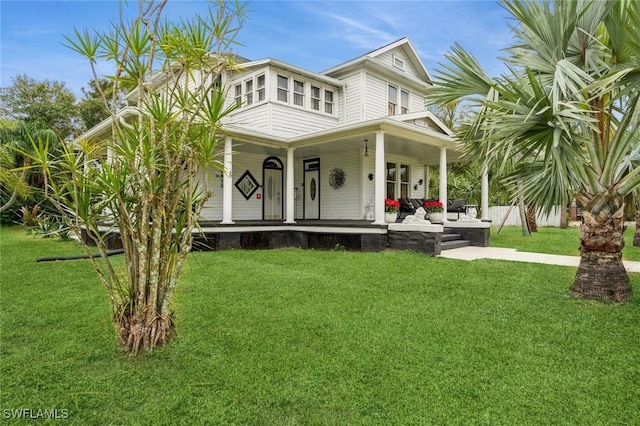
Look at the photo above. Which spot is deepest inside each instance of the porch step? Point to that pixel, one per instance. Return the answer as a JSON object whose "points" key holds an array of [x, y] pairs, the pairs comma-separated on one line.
{"points": [[447, 245], [450, 236], [451, 240]]}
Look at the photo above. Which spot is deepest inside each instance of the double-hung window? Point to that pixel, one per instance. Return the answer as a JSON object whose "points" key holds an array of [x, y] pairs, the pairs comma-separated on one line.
{"points": [[260, 87], [404, 101], [315, 98], [283, 88], [391, 180], [248, 92], [404, 181], [298, 93], [328, 101], [238, 95], [393, 100]]}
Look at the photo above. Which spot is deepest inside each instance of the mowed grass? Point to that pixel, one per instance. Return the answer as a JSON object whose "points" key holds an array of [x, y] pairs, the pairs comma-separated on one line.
{"points": [[554, 241], [311, 337]]}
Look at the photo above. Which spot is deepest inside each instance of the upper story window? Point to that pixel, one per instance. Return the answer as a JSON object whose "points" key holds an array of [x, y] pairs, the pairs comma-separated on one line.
{"points": [[397, 97], [397, 62], [393, 100], [328, 101], [304, 93], [315, 98], [298, 93], [238, 95], [248, 92], [260, 87], [404, 101], [283, 88]]}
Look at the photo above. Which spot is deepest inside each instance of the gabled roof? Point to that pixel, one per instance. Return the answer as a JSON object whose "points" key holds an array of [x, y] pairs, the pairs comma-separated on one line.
{"points": [[403, 44]]}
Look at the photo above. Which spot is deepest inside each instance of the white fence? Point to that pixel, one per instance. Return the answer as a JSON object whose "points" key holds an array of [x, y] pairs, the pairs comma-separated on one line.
{"points": [[498, 213]]}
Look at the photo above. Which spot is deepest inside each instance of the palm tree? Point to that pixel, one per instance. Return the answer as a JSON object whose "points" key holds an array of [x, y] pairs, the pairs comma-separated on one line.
{"points": [[569, 109], [16, 136]]}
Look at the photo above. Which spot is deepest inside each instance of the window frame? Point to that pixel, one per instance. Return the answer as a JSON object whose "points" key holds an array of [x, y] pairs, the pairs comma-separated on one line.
{"points": [[397, 62], [261, 89], [392, 101], [282, 89], [404, 107], [298, 95], [328, 104]]}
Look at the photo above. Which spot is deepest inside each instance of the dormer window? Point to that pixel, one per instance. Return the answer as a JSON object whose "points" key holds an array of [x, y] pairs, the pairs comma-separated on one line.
{"points": [[397, 62]]}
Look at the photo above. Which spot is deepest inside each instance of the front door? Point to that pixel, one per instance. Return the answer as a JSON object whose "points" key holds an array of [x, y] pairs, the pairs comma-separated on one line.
{"points": [[272, 194], [312, 189]]}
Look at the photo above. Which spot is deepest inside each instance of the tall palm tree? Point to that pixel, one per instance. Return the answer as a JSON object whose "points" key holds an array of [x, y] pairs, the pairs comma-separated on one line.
{"points": [[569, 108]]}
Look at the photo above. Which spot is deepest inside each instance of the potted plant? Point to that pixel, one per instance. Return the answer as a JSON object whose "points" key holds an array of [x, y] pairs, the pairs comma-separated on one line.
{"points": [[391, 208], [435, 210]]}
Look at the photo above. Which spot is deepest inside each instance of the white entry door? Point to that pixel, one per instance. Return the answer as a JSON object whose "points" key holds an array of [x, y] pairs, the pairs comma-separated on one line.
{"points": [[272, 198], [312, 189]]}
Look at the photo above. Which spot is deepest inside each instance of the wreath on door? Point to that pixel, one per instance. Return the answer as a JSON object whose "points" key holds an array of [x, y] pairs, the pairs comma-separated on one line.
{"points": [[337, 177]]}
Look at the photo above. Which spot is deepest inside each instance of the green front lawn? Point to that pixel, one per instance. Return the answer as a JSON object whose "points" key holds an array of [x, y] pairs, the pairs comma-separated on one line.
{"points": [[554, 241], [312, 337]]}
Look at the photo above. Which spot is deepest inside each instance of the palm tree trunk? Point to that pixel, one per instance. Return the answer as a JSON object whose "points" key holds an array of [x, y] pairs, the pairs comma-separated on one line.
{"points": [[531, 218], [601, 274], [523, 219]]}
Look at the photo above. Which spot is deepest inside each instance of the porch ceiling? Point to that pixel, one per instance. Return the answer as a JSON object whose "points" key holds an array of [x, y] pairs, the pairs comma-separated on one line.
{"points": [[423, 147]]}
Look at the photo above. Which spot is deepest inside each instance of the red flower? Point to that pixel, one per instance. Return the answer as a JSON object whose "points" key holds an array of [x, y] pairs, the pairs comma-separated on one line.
{"points": [[433, 206], [391, 205]]}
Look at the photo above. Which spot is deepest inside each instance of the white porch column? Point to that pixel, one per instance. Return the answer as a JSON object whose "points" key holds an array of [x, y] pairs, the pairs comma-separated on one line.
{"points": [[426, 182], [443, 180], [484, 195], [380, 178], [227, 183], [291, 202]]}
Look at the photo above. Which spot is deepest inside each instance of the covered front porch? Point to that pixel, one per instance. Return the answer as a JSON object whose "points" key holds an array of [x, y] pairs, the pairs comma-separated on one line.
{"points": [[290, 180]]}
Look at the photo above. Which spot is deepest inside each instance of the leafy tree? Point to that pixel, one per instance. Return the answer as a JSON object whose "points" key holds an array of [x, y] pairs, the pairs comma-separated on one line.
{"points": [[49, 103], [92, 108], [569, 110], [17, 136], [151, 177]]}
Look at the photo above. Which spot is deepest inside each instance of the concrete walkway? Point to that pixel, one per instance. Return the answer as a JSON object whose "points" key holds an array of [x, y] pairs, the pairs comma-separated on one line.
{"points": [[474, 253]]}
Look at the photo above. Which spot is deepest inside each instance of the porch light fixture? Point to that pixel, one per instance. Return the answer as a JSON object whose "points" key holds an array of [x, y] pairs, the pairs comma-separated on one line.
{"points": [[366, 148]]}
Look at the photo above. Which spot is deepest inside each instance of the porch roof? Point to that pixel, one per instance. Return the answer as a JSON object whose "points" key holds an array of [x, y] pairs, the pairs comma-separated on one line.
{"points": [[401, 138]]}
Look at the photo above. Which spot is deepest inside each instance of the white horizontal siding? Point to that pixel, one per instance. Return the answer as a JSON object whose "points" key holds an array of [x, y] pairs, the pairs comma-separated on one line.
{"points": [[344, 202], [416, 102], [287, 121], [354, 95], [254, 118], [243, 209], [376, 97], [386, 58]]}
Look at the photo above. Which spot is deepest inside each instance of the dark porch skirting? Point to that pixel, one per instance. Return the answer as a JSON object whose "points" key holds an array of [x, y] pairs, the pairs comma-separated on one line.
{"points": [[320, 235]]}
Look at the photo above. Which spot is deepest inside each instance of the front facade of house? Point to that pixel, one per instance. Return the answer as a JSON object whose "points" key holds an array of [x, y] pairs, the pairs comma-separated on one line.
{"points": [[310, 153], [329, 146]]}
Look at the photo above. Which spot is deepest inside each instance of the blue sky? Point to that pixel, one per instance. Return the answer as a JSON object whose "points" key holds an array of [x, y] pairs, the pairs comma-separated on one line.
{"points": [[315, 35]]}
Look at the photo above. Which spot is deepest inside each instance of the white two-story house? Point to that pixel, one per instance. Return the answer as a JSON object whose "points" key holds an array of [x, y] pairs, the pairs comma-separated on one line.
{"points": [[323, 150]]}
